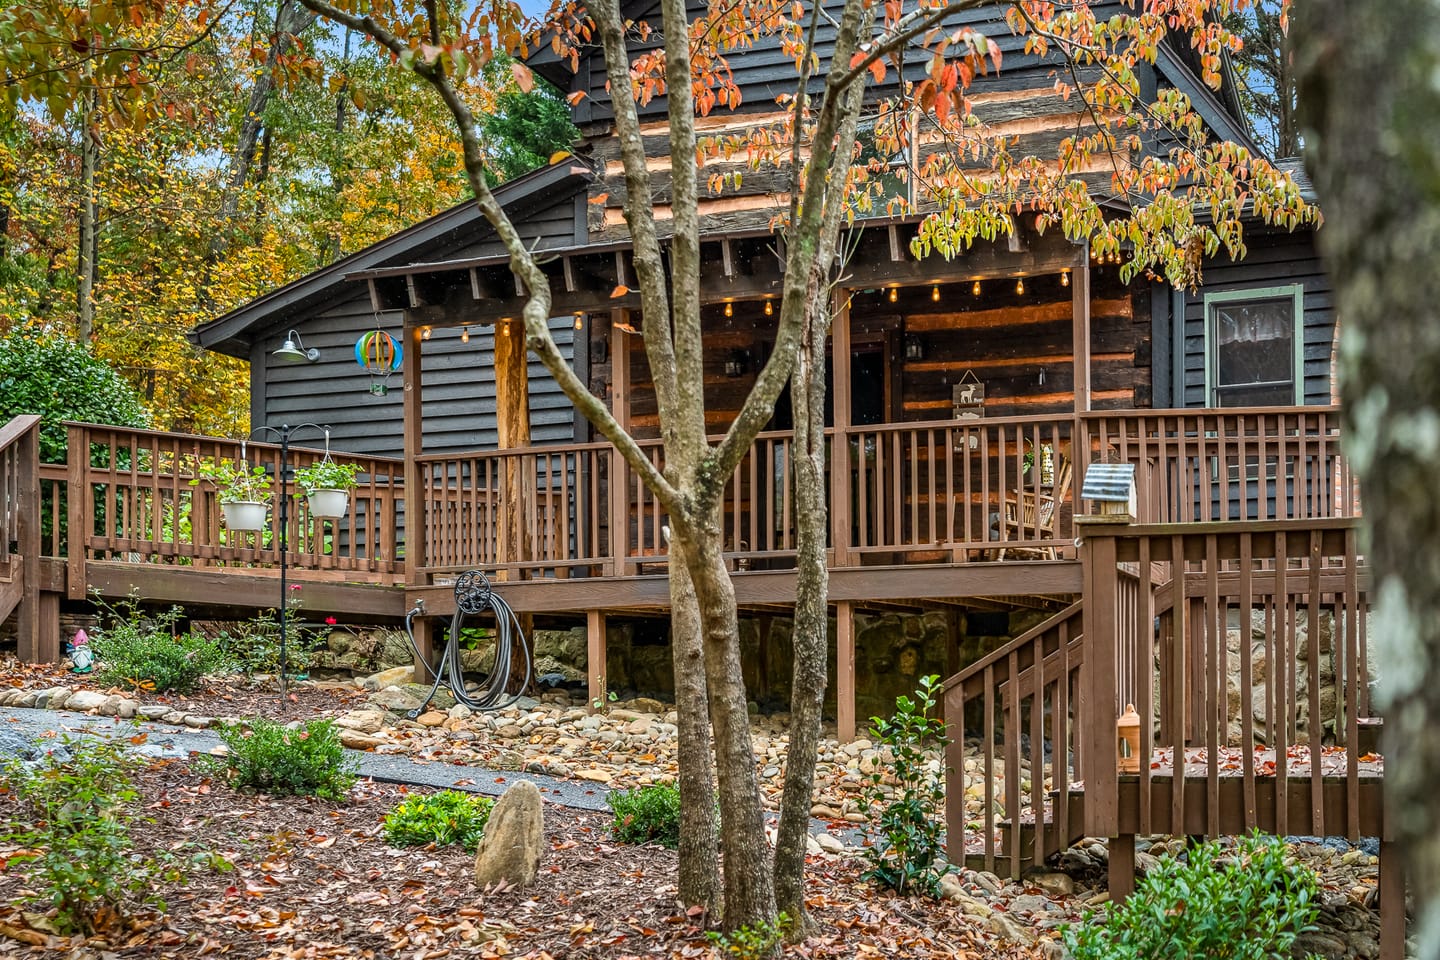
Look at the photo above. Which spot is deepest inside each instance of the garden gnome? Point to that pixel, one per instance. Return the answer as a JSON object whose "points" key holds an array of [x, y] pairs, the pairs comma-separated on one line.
{"points": [[82, 658]]}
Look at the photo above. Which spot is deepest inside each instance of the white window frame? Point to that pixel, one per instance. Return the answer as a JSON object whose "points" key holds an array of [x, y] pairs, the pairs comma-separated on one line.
{"points": [[1293, 290]]}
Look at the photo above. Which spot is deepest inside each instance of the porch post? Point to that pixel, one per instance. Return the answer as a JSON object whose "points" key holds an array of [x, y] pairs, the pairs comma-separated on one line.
{"points": [[840, 440], [512, 422], [28, 622], [619, 479], [845, 670], [1080, 314], [415, 505]]}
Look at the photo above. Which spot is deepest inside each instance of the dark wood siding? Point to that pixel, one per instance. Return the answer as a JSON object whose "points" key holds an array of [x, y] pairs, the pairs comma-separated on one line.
{"points": [[1274, 259], [459, 386]]}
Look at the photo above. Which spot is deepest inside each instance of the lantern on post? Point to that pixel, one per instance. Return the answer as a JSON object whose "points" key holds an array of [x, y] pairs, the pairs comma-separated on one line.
{"points": [[1111, 488], [1127, 740]]}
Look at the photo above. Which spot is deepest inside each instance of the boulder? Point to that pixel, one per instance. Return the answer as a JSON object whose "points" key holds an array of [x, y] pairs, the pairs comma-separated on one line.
{"points": [[396, 700], [1006, 926], [1058, 884], [443, 699], [356, 740], [362, 721], [388, 678], [514, 839], [86, 700]]}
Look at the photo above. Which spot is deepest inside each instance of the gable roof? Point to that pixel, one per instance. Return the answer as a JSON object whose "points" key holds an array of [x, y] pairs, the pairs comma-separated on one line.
{"points": [[234, 332]]}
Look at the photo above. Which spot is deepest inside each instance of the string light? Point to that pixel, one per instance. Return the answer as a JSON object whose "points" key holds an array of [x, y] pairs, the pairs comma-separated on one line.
{"points": [[1064, 278], [729, 309], [1020, 285], [424, 333], [464, 334], [975, 288], [769, 307], [935, 293], [579, 320], [894, 294]]}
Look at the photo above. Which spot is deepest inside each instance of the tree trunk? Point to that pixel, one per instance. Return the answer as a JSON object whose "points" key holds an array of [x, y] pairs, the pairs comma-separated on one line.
{"points": [[811, 632], [1368, 102], [85, 267], [290, 19], [749, 886], [699, 840]]}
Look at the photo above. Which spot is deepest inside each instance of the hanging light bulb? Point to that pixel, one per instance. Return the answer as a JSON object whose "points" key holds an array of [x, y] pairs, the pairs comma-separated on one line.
{"points": [[1020, 285], [894, 294], [769, 308], [579, 320], [729, 309], [975, 288], [424, 333], [1064, 278], [464, 334], [935, 293]]}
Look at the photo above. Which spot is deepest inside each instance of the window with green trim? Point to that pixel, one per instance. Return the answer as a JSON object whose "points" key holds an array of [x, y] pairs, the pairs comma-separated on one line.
{"points": [[1254, 347]]}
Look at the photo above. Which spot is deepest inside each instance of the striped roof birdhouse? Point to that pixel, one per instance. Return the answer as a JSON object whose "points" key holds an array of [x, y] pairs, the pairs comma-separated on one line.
{"points": [[1110, 488]]}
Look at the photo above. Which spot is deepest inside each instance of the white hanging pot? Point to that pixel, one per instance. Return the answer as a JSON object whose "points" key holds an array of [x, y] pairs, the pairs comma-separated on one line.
{"points": [[328, 504], [244, 514]]}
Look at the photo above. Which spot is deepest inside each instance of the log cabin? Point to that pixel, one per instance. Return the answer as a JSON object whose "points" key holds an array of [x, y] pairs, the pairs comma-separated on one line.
{"points": [[968, 398]]}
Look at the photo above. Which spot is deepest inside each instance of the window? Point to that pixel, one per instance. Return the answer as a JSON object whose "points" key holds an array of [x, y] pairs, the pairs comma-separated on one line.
{"points": [[1254, 347]]}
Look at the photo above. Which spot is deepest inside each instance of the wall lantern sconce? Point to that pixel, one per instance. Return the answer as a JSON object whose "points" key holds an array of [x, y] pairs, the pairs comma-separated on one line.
{"points": [[295, 351], [914, 347], [736, 364]]}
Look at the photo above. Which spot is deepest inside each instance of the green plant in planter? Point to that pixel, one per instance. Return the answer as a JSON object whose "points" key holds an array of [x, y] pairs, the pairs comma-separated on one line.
{"points": [[238, 482], [327, 475]]}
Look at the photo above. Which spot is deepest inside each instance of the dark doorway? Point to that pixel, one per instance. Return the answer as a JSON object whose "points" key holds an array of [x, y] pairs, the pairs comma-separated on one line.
{"points": [[867, 385]]}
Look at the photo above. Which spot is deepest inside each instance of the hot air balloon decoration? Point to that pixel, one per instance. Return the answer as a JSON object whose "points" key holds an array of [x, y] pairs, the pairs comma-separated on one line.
{"points": [[381, 355]]}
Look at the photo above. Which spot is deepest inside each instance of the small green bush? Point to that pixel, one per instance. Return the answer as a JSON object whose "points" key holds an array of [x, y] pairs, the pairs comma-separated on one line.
{"points": [[1244, 904], [440, 818], [751, 941], [269, 757], [646, 815], [909, 816], [139, 650], [78, 808]]}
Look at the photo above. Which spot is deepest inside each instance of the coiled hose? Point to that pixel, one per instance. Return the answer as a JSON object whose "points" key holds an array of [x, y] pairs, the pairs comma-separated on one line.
{"points": [[474, 596]]}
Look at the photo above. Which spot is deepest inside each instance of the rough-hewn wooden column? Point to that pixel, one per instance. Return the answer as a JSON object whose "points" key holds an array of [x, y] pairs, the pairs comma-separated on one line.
{"points": [[512, 422], [1080, 314], [618, 486]]}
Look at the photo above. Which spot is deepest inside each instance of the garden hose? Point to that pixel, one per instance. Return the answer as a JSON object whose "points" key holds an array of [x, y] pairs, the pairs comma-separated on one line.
{"points": [[474, 596]]}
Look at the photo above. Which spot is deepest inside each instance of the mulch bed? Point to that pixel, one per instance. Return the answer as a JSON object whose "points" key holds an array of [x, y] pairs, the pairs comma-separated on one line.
{"points": [[223, 697], [308, 878]]}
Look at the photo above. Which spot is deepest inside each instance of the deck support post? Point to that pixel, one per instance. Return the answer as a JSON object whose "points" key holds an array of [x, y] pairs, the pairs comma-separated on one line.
{"points": [[48, 642], [595, 659], [1392, 901], [845, 671], [415, 505], [424, 649], [1122, 867]]}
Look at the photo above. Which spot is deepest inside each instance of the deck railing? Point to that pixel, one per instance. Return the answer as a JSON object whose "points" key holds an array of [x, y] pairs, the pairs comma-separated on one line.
{"points": [[1244, 652], [1023, 699], [131, 496]]}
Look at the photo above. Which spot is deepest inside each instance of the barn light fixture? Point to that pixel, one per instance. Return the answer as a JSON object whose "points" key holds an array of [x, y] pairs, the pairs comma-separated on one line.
{"points": [[295, 351]]}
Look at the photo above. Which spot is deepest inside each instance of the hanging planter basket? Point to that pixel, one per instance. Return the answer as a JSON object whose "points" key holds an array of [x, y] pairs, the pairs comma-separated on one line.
{"points": [[245, 514], [328, 504]]}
